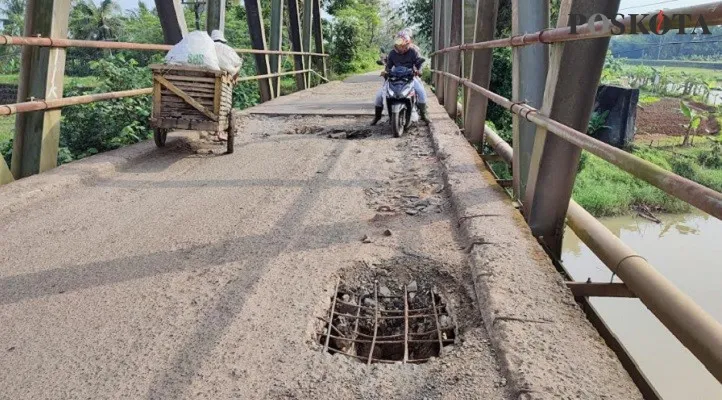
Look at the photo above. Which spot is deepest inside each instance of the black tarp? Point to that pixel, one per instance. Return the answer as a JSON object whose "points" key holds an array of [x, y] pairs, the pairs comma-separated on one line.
{"points": [[621, 103]]}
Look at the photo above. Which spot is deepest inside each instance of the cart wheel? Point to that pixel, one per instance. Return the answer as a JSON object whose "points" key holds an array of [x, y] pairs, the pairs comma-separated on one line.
{"points": [[231, 133], [159, 135]]}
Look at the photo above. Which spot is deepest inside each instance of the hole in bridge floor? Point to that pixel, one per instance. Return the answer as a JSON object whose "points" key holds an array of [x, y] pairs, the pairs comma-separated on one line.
{"points": [[375, 324]]}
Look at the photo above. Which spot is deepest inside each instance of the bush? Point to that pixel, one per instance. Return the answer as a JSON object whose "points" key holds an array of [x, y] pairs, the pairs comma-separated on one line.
{"points": [[96, 127], [501, 84], [685, 167], [6, 150], [712, 158], [246, 94], [582, 161], [346, 41]]}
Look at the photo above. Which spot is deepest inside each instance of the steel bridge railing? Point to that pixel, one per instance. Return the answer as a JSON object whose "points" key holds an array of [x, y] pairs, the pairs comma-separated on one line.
{"points": [[43, 58], [693, 327], [54, 104], [39, 105], [96, 44]]}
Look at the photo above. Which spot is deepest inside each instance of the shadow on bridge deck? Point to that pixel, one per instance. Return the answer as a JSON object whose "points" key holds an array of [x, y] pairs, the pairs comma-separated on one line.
{"points": [[352, 97], [167, 274]]}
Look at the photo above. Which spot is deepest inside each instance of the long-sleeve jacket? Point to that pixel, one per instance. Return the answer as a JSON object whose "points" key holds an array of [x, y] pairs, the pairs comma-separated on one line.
{"points": [[410, 59]]}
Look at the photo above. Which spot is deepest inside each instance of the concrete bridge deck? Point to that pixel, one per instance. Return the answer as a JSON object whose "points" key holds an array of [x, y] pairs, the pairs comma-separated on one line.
{"points": [[148, 273]]}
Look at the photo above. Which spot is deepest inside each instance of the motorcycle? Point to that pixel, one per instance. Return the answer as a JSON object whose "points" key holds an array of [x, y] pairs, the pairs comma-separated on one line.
{"points": [[401, 99]]}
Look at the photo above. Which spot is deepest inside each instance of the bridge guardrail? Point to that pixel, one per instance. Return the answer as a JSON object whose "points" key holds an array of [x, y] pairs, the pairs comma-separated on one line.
{"points": [[6, 40], [693, 327], [7, 176]]}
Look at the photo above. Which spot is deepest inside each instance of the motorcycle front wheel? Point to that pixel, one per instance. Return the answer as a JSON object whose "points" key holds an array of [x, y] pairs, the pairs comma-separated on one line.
{"points": [[408, 117], [398, 122]]}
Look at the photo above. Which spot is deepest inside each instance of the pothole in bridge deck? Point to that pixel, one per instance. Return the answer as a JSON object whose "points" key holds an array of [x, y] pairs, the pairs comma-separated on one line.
{"points": [[334, 133], [388, 321], [358, 133], [305, 130]]}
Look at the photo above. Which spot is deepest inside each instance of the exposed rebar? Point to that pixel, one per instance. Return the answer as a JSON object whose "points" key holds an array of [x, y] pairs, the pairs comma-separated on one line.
{"points": [[406, 325], [376, 321], [436, 318], [333, 310], [355, 326]]}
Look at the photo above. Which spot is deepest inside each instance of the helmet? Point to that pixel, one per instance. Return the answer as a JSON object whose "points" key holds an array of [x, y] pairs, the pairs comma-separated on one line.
{"points": [[217, 36], [402, 42]]}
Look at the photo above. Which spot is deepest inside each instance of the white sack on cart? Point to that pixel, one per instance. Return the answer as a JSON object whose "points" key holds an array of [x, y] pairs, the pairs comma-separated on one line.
{"points": [[228, 59], [196, 49]]}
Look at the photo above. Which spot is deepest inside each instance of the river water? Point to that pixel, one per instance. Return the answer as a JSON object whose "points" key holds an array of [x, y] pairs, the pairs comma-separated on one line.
{"points": [[687, 249]]}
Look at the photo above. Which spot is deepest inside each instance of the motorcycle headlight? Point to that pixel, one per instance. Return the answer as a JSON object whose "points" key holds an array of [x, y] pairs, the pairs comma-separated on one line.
{"points": [[391, 92], [406, 91]]}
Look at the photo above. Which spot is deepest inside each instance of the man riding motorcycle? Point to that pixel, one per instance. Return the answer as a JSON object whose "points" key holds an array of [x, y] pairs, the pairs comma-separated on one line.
{"points": [[406, 55]]}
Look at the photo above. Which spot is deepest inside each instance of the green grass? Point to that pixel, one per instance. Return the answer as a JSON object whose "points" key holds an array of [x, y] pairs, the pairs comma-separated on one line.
{"points": [[709, 75], [87, 81], [7, 127], [8, 79], [288, 85], [647, 99], [604, 190]]}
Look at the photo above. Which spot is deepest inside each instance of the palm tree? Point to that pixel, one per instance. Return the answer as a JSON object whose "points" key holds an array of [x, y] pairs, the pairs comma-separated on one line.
{"points": [[89, 21]]}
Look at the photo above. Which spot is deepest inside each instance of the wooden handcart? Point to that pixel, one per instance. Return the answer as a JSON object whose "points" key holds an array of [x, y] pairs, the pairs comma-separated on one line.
{"points": [[191, 98]]}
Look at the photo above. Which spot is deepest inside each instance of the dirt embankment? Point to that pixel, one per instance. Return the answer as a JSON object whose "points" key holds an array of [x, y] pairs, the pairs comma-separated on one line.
{"points": [[8, 93], [665, 118]]}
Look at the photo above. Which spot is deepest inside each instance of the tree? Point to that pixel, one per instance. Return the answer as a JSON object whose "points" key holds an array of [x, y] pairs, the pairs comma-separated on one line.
{"points": [[420, 17], [89, 21], [694, 120], [14, 12], [355, 35], [12, 24], [141, 26], [334, 6]]}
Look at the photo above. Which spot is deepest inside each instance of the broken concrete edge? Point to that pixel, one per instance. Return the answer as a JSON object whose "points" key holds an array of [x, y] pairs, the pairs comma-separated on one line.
{"points": [[24, 192], [534, 323]]}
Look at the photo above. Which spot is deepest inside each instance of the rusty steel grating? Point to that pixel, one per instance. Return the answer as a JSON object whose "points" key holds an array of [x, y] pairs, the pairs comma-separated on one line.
{"points": [[388, 329]]}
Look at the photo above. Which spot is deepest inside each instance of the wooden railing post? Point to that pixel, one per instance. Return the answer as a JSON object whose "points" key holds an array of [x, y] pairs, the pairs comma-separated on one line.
{"points": [[215, 15], [276, 39], [481, 62], [529, 70], [258, 42], [435, 42], [571, 86], [318, 39], [453, 59], [294, 34], [444, 10], [172, 20], [469, 12], [37, 134], [306, 37]]}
